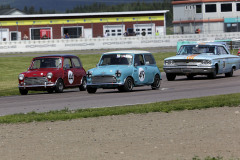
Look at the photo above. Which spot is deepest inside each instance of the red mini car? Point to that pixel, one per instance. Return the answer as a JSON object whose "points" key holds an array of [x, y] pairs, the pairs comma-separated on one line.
{"points": [[53, 73]]}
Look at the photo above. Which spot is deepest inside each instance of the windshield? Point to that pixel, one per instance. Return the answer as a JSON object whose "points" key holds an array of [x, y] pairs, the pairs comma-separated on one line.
{"points": [[46, 63], [196, 49], [116, 59]]}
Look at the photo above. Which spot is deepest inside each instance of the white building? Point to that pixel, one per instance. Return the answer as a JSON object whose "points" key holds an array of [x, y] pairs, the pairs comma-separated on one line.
{"points": [[210, 16]]}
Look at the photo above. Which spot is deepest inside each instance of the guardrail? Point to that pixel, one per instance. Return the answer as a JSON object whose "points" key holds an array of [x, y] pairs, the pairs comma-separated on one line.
{"points": [[108, 42]]}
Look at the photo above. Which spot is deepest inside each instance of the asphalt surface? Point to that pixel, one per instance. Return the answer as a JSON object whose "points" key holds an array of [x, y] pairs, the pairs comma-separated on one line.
{"points": [[74, 99]]}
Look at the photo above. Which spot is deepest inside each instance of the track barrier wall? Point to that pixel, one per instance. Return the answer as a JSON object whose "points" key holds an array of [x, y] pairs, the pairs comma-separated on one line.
{"points": [[108, 42]]}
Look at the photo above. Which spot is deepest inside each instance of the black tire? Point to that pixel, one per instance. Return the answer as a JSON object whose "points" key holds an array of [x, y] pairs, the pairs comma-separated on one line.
{"points": [[212, 75], [128, 85], [157, 82], [170, 76], [229, 74], [190, 76], [91, 90], [50, 90], [23, 91], [83, 86], [59, 86]]}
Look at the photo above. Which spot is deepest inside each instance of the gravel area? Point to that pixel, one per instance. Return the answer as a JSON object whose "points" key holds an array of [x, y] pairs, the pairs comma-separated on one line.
{"points": [[154, 136]]}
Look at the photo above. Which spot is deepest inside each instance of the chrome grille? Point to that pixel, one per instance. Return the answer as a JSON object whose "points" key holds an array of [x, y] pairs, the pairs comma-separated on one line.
{"points": [[103, 79], [35, 80], [187, 62]]}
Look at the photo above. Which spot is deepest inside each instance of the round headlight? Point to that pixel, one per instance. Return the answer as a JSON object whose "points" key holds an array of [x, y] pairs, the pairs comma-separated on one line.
{"points": [[89, 74], [49, 75], [21, 77], [118, 73]]}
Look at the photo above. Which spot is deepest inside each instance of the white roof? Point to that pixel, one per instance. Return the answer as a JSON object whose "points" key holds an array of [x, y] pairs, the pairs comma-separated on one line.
{"points": [[83, 14], [128, 52]]}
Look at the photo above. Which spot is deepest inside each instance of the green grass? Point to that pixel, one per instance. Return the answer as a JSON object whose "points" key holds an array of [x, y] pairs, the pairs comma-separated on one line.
{"points": [[230, 100], [12, 66]]}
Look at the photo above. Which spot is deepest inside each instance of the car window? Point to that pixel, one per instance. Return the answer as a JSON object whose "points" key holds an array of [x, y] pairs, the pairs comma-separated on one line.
{"points": [[221, 50], [149, 59], [138, 60], [67, 63], [76, 62]]}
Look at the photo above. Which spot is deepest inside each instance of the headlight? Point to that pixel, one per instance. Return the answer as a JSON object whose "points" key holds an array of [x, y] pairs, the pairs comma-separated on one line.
{"points": [[169, 62], [89, 74], [21, 77], [118, 73], [206, 62], [49, 75]]}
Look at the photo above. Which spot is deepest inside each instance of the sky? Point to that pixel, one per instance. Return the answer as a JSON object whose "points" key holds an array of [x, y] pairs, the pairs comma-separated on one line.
{"points": [[59, 5]]}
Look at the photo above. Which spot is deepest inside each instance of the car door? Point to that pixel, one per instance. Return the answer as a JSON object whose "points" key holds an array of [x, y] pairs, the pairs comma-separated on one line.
{"points": [[140, 70], [225, 60], [78, 70], [150, 66], [69, 78]]}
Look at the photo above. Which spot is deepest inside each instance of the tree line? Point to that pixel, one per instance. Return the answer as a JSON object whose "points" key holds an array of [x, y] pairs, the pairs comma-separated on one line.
{"points": [[103, 7]]}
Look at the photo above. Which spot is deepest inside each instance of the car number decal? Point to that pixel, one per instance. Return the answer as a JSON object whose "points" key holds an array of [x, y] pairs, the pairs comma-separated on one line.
{"points": [[141, 74], [192, 56], [70, 77]]}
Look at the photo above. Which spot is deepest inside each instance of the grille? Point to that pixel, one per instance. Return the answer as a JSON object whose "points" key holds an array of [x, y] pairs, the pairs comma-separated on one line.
{"points": [[187, 62], [103, 79], [35, 80]]}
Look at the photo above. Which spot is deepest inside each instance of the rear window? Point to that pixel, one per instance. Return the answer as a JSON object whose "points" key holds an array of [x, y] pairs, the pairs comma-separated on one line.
{"points": [[76, 62], [149, 59]]}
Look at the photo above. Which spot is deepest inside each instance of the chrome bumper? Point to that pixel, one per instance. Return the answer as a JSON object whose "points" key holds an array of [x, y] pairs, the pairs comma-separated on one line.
{"points": [[46, 85], [185, 70], [104, 85]]}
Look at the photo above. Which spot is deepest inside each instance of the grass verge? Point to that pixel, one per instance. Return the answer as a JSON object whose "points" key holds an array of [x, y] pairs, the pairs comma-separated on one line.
{"points": [[229, 100]]}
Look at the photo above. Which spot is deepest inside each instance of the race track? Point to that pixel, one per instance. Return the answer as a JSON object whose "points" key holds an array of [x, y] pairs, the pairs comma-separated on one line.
{"points": [[74, 99]]}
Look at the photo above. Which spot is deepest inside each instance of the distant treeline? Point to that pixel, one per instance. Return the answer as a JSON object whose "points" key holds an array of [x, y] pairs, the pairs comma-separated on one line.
{"points": [[103, 7]]}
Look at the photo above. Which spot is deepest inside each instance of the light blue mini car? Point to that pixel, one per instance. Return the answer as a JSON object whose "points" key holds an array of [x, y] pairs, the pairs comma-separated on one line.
{"points": [[201, 59], [124, 70]]}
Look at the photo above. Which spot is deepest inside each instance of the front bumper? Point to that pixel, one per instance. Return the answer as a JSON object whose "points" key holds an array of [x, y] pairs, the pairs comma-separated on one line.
{"points": [[104, 85], [36, 87], [188, 70]]}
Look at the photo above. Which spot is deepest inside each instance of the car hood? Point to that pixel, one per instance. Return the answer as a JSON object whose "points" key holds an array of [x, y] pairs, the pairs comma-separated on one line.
{"points": [[108, 70], [193, 56], [39, 72]]}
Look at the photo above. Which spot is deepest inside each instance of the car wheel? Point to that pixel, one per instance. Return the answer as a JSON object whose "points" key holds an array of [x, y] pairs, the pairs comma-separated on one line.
{"points": [[23, 91], [190, 76], [128, 85], [212, 75], [50, 90], [91, 90], [229, 74], [59, 86], [170, 76], [156, 83], [83, 86]]}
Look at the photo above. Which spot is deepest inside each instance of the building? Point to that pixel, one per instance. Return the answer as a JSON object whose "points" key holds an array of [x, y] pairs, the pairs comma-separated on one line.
{"points": [[11, 11], [206, 16], [86, 25]]}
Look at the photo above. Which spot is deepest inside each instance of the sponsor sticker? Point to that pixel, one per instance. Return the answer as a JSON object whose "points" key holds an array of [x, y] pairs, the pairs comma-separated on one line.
{"points": [[141, 74], [70, 77]]}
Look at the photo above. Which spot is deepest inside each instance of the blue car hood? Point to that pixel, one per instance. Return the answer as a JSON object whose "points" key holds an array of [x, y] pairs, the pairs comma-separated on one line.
{"points": [[193, 56], [108, 69]]}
